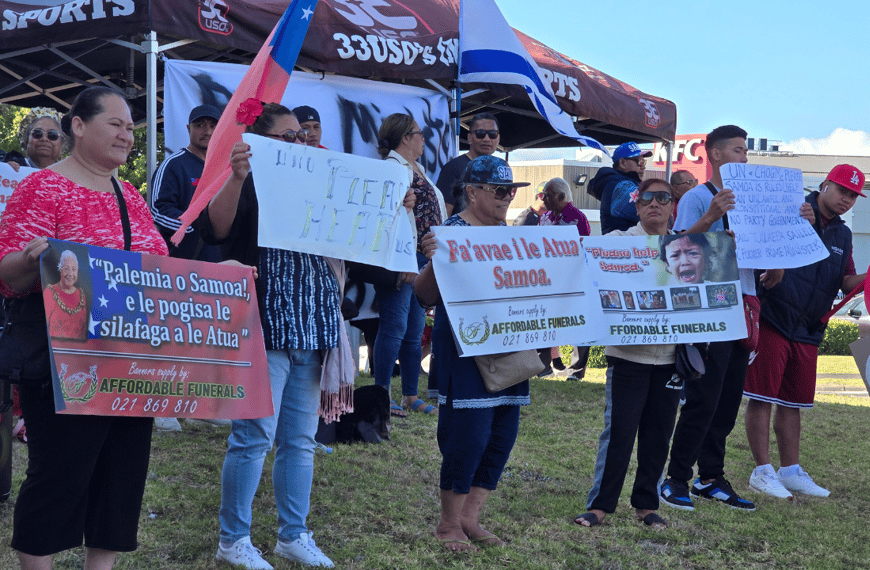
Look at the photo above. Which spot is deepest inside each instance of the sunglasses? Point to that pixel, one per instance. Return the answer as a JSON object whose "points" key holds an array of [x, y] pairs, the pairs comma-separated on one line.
{"points": [[481, 133], [661, 197], [501, 192], [52, 135], [412, 133], [289, 136]]}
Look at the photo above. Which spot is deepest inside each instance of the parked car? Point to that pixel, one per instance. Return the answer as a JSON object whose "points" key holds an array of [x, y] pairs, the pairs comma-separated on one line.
{"points": [[855, 311]]}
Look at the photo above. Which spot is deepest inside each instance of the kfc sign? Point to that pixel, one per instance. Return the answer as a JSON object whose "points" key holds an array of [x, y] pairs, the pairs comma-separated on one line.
{"points": [[688, 154]]}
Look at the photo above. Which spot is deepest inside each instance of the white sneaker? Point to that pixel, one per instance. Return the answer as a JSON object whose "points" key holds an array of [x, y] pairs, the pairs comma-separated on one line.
{"points": [[303, 550], [243, 553], [167, 424], [764, 480], [802, 483]]}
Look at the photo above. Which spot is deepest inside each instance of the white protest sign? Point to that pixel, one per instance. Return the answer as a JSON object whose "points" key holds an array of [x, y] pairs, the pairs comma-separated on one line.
{"points": [[766, 219], [328, 203], [666, 289], [512, 288], [9, 180]]}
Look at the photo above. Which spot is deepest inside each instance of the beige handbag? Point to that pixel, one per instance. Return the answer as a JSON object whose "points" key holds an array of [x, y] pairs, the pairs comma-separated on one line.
{"points": [[500, 371]]}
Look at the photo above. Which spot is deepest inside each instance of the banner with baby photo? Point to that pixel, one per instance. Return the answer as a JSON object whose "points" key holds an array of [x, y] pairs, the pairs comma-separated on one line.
{"points": [[143, 335], [666, 289]]}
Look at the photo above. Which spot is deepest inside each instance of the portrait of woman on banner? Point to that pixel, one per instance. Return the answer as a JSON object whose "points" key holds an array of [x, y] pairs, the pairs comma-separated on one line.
{"points": [[66, 304]]}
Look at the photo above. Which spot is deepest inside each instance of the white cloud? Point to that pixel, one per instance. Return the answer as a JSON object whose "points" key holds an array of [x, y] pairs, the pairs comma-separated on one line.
{"points": [[840, 142]]}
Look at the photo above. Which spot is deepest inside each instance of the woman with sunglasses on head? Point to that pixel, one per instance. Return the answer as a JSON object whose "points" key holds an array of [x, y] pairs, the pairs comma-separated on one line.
{"points": [[86, 473], [44, 144], [401, 317], [299, 301], [641, 397], [476, 428]]}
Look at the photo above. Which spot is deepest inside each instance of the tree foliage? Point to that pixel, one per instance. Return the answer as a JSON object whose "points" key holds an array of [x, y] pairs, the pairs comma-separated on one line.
{"points": [[134, 171]]}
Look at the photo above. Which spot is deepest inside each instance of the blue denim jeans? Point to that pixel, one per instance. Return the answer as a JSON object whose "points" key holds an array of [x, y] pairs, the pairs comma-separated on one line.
{"points": [[399, 334], [295, 379]]}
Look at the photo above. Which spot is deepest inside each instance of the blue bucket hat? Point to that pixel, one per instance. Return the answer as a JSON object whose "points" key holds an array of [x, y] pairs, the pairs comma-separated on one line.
{"points": [[489, 169]]}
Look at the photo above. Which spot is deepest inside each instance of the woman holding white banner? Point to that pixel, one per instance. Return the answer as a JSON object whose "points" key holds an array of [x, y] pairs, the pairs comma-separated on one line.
{"points": [[300, 313], [86, 473], [476, 428], [402, 318], [642, 394]]}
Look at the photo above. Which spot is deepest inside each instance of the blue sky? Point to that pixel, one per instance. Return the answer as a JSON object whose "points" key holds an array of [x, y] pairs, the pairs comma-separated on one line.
{"points": [[781, 70]]}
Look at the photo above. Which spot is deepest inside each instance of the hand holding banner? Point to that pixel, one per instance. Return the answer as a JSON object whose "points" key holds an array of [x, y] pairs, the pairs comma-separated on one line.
{"points": [[141, 335], [766, 219], [332, 204]]}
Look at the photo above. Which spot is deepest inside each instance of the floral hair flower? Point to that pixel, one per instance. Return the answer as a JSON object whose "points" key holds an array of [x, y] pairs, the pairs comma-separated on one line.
{"points": [[248, 111], [634, 196]]}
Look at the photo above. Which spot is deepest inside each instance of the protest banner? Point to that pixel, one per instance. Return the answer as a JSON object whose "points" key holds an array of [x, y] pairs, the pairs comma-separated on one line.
{"points": [[142, 335], [328, 203], [9, 180], [512, 288], [666, 289], [766, 219], [351, 109]]}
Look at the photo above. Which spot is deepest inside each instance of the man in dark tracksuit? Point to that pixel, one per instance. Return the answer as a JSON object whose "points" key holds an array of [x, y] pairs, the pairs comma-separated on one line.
{"points": [[613, 186], [783, 368]]}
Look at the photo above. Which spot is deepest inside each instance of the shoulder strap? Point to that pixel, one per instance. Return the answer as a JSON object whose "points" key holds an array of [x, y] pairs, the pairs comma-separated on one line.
{"points": [[125, 218], [713, 191]]}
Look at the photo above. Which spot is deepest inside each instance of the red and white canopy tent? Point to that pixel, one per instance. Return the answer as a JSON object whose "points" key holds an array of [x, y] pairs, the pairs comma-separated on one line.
{"points": [[51, 49]]}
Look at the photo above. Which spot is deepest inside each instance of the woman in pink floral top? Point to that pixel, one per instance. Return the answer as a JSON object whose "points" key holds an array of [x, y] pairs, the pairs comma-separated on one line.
{"points": [[86, 474]]}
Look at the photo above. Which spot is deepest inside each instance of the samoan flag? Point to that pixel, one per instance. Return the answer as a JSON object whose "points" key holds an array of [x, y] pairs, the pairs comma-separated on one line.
{"points": [[108, 297], [490, 52], [266, 80]]}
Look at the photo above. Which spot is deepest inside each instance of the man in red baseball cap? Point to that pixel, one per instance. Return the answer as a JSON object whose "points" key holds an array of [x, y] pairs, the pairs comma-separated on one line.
{"points": [[782, 371]]}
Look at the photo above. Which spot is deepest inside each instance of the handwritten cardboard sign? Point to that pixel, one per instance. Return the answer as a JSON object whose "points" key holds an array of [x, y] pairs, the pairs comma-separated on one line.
{"points": [[511, 288], [9, 180], [766, 219], [141, 335], [333, 204], [665, 289]]}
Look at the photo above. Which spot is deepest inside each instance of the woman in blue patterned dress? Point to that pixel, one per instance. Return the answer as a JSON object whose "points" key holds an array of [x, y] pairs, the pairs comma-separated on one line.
{"points": [[476, 429]]}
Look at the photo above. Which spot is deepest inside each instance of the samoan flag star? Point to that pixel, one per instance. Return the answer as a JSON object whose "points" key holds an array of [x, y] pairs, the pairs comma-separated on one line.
{"points": [[103, 301], [306, 13]]}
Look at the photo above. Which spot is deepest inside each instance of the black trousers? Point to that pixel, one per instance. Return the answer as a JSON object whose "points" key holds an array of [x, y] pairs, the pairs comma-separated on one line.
{"points": [[708, 416], [641, 400]]}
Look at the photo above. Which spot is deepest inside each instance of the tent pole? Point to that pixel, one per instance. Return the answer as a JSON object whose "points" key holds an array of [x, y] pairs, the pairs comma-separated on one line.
{"points": [[149, 47], [670, 147], [456, 111]]}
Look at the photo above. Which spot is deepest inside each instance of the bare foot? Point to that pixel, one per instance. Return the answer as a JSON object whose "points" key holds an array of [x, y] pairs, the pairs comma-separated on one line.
{"points": [[454, 540], [651, 518], [587, 522]]}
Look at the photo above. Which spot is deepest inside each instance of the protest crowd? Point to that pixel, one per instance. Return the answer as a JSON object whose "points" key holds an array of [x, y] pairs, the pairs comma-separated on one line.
{"points": [[87, 473]]}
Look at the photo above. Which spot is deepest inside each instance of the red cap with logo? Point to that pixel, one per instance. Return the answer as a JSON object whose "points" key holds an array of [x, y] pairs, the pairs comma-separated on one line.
{"points": [[848, 177]]}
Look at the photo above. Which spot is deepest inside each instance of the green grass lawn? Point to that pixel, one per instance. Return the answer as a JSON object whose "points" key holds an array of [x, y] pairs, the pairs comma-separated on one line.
{"points": [[375, 506]]}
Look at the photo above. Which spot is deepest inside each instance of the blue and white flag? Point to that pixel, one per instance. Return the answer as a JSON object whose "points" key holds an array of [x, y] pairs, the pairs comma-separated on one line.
{"points": [[491, 52]]}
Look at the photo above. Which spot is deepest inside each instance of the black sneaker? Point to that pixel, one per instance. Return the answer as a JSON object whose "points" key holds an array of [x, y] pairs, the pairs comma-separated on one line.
{"points": [[676, 494], [720, 490]]}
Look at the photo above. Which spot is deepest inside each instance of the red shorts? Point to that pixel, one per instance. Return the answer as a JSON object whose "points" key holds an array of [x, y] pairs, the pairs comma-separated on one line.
{"points": [[781, 371]]}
